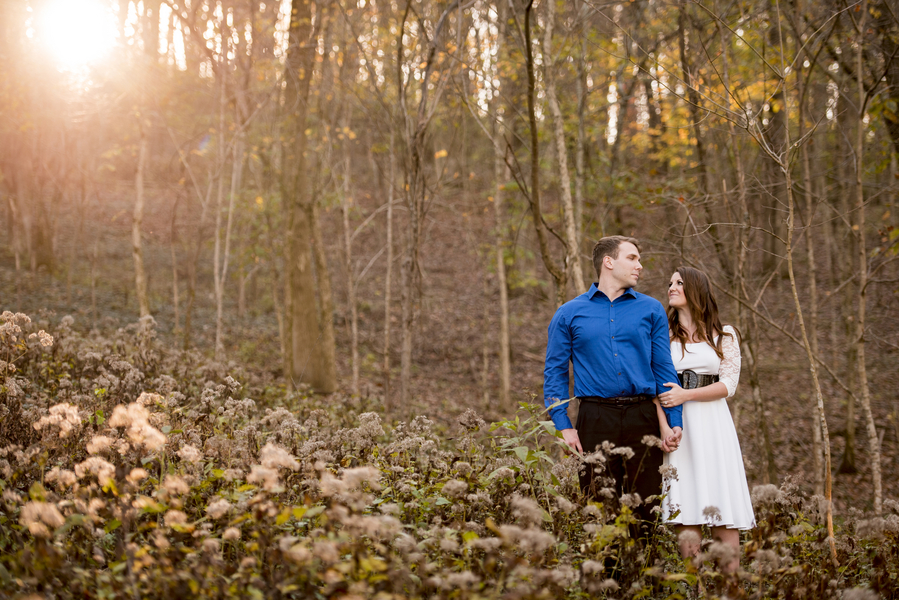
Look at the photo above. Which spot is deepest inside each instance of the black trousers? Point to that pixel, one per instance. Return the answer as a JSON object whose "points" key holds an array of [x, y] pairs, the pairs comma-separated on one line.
{"points": [[623, 426]]}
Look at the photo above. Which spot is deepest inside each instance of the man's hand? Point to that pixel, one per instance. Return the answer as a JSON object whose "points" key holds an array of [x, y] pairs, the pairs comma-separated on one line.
{"points": [[671, 441], [571, 438]]}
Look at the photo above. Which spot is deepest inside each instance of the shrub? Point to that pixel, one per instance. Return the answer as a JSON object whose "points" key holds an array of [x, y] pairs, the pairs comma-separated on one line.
{"points": [[134, 470]]}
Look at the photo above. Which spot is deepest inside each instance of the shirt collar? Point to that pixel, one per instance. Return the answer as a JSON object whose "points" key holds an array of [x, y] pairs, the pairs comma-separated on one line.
{"points": [[595, 290]]}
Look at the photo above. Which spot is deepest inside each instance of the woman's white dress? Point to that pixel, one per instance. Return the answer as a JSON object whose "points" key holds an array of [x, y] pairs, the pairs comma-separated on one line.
{"points": [[710, 488]]}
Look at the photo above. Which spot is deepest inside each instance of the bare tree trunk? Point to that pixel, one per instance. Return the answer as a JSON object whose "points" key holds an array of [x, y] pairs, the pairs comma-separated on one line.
{"points": [[749, 327], [810, 205], [173, 242], [391, 186], [416, 193], [346, 200], [309, 347], [140, 276], [580, 152], [559, 275], [326, 372], [576, 274], [873, 440], [501, 174], [784, 161], [95, 252]]}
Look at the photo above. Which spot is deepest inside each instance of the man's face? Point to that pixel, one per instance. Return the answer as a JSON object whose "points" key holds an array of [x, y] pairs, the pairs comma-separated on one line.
{"points": [[626, 268]]}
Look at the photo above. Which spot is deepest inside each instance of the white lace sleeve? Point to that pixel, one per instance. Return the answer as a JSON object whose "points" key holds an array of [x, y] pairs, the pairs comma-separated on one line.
{"points": [[729, 371]]}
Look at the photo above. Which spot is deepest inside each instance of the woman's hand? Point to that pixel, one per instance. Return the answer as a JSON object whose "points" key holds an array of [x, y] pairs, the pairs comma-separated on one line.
{"points": [[674, 396]]}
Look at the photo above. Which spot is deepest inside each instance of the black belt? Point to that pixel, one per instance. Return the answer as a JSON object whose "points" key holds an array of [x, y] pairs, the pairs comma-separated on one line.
{"points": [[618, 400], [691, 380]]}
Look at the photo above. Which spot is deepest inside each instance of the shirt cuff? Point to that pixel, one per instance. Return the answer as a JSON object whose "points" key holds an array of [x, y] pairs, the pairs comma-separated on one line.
{"points": [[675, 416], [561, 421]]}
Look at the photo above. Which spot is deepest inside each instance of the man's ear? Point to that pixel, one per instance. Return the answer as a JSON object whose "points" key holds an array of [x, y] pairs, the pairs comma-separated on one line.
{"points": [[607, 261]]}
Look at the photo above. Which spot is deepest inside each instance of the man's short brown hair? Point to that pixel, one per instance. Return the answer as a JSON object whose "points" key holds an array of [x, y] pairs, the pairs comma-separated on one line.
{"points": [[608, 246]]}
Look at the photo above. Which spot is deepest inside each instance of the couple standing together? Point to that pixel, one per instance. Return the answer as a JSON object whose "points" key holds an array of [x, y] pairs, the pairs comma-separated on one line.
{"points": [[639, 372]]}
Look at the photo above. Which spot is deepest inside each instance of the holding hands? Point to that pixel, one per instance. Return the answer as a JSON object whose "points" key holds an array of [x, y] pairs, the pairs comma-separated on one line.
{"points": [[671, 438]]}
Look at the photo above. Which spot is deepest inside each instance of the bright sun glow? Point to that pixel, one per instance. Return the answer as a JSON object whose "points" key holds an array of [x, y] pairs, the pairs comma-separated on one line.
{"points": [[76, 32]]}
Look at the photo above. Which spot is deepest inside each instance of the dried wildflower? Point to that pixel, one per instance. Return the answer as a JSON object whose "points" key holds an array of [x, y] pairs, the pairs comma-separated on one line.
{"points": [[595, 458], [530, 540], [231, 534], [189, 453], [63, 477], [99, 443], [669, 472], [211, 546], [38, 516], [504, 475], [135, 418], [631, 501], [218, 509], [449, 545], [463, 580], [767, 493], [487, 544], [354, 478], [455, 488], [624, 451], [527, 509], [651, 441], [137, 475], [565, 505], [722, 553], [712, 514], [233, 474], [104, 470], [871, 528], [175, 485], [65, 416], [326, 551], [370, 425], [273, 456], [766, 561], [149, 398], [860, 593], [264, 476], [471, 421], [45, 338], [592, 567], [175, 517], [293, 551]]}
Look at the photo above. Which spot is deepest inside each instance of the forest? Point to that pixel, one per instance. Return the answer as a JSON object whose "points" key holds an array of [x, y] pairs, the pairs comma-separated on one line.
{"points": [[275, 281]]}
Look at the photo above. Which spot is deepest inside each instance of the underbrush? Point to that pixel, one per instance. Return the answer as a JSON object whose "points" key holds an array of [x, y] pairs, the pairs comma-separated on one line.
{"points": [[133, 470]]}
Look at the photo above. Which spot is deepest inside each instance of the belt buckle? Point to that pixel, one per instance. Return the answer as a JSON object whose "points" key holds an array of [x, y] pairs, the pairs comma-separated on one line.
{"points": [[690, 379]]}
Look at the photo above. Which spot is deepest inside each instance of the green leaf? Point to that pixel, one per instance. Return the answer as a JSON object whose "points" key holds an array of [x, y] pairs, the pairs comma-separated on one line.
{"points": [[522, 453], [112, 526], [315, 511], [442, 501]]}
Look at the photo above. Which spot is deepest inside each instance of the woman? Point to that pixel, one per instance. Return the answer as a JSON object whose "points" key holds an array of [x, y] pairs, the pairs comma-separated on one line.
{"points": [[710, 488]]}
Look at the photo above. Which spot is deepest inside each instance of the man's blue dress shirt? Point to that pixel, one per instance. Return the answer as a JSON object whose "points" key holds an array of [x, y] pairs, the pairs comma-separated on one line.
{"points": [[618, 348]]}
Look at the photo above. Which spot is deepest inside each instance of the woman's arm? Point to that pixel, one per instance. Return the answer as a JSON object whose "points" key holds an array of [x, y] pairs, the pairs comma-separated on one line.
{"points": [[728, 373], [677, 395]]}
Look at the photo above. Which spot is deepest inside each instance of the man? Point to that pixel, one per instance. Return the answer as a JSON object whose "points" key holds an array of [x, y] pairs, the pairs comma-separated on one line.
{"points": [[617, 341]]}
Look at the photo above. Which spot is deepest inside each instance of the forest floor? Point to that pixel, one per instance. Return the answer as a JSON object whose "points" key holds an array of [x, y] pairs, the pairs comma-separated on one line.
{"points": [[459, 315]]}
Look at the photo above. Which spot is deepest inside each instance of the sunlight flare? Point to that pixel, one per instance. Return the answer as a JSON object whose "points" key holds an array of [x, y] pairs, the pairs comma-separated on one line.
{"points": [[76, 32]]}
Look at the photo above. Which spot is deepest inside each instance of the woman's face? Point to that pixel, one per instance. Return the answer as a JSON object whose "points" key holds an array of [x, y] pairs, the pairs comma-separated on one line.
{"points": [[676, 296]]}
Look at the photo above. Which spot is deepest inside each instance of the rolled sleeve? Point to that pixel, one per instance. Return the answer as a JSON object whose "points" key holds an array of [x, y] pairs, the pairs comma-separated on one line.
{"points": [[662, 365], [555, 370]]}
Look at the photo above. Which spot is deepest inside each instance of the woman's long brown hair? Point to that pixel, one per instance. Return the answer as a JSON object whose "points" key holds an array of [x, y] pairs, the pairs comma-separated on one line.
{"points": [[703, 308]]}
